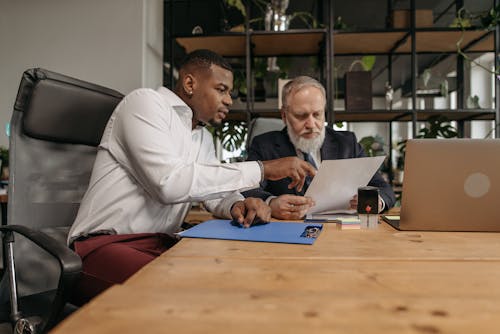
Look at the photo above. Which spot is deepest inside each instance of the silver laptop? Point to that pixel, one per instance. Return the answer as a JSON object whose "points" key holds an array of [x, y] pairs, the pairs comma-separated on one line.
{"points": [[451, 185]]}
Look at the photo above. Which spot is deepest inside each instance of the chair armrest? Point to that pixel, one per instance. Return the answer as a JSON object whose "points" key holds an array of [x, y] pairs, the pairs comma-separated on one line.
{"points": [[69, 262]]}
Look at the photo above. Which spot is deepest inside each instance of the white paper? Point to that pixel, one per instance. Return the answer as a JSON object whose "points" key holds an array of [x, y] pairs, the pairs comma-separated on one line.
{"points": [[330, 216], [337, 181], [337, 218]]}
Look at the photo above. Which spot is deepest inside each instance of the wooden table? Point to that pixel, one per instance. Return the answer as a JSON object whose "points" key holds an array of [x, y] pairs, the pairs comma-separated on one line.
{"points": [[349, 281]]}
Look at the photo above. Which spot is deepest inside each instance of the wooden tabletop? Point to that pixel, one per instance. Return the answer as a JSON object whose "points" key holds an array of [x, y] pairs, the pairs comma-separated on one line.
{"points": [[349, 281]]}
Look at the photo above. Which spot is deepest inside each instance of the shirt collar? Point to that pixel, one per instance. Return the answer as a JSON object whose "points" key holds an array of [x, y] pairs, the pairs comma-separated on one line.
{"points": [[180, 107]]}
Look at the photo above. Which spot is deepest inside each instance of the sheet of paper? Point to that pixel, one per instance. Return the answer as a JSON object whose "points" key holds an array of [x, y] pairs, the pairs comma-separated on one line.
{"points": [[337, 181], [340, 218]]}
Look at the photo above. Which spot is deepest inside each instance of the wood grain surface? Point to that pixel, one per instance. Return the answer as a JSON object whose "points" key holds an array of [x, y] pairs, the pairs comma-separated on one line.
{"points": [[349, 281]]}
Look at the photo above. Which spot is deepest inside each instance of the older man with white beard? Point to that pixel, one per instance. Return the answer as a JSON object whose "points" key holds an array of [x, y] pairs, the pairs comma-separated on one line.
{"points": [[305, 136]]}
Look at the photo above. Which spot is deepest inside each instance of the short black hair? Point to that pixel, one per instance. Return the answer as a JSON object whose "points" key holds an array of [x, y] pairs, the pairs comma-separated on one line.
{"points": [[204, 58]]}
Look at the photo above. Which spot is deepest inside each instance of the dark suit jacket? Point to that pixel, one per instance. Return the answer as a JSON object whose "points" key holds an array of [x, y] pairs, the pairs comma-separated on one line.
{"points": [[337, 145]]}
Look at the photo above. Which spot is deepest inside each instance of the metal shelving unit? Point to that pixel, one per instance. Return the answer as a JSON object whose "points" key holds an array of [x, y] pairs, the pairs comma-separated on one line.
{"points": [[329, 43]]}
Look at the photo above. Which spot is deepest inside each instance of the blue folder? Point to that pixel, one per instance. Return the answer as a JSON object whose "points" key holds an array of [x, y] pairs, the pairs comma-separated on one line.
{"points": [[281, 232]]}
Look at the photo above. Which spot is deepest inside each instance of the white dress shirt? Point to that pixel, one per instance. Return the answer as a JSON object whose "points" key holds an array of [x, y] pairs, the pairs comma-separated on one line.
{"points": [[151, 165]]}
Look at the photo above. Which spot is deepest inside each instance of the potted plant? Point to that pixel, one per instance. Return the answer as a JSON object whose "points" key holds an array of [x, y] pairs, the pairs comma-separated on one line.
{"points": [[231, 133], [438, 127], [434, 82], [374, 146], [488, 20], [272, 15]]}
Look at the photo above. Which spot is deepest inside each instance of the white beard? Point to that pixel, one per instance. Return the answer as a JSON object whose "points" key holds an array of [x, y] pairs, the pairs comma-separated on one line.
{"points": [[304, 144]]}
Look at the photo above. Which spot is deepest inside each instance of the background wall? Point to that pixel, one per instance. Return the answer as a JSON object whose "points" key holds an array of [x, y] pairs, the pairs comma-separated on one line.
{"points": [[114, 43]]}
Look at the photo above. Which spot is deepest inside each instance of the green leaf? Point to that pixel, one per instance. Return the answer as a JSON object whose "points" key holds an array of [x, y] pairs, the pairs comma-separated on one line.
{"points": [[443, 88], [473, 102], [238, 4], [367, 62], [339, 124], [426, 76], [373, 146], [339, 24], [232, 134]]}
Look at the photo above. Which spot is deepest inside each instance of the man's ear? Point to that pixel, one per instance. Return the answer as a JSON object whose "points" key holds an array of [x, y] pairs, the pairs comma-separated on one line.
{"points": [[283, 114], [189, 84]]}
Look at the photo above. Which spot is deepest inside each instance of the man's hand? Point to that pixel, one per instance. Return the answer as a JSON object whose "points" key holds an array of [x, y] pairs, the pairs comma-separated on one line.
{"points": [[291, 167], [290, 206], [250, 211], [354, 203]]}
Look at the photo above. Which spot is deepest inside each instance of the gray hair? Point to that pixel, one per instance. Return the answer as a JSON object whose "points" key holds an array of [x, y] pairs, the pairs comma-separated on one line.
{"points": [[297, 84]]}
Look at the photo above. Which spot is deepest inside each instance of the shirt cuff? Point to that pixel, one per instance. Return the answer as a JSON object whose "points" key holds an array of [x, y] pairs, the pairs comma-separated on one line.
{"points": [[383, 204], [228, 203], [269, 199], [261, 166]]}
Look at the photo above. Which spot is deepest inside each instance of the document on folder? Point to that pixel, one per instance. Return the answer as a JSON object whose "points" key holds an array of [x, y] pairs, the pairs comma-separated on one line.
{"points": [[337, 181], [280, 232]]}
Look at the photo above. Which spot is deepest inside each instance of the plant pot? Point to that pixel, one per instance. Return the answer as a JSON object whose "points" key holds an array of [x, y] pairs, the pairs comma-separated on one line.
{"points": [[358, 90]]}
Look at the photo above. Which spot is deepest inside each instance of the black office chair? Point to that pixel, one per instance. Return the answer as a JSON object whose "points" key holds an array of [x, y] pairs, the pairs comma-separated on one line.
{"points": [[56, 126]]}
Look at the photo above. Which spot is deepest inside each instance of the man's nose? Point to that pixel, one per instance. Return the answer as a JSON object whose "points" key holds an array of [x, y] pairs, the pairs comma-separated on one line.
{"points": [[310, 122], [227, 100]]}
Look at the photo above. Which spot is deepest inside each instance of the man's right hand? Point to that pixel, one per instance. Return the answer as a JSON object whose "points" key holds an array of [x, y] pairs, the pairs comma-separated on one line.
{"points": [[290, 207], [291, 167]]}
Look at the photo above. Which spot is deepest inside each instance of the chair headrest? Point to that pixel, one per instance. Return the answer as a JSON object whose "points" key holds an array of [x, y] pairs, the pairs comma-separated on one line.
{"points": [[63, 109]]}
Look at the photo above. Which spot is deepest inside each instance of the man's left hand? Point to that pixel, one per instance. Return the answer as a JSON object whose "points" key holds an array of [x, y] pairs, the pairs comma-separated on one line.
{"points": [[290, 207], [250, 211]]}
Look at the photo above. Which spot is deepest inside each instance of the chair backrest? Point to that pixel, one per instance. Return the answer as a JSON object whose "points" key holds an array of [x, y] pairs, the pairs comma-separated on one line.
{"points": [[56, 126], [262, 125]]}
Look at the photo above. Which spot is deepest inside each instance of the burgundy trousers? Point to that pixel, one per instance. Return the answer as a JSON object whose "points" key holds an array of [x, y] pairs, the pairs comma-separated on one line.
{"points": [[111, 259]]}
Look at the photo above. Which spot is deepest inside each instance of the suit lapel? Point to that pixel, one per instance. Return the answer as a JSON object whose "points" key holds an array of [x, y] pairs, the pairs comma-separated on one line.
{"points": [[286, 149], [330, 148]]}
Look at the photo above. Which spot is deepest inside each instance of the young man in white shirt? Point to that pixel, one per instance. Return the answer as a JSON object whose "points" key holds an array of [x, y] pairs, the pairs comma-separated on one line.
{"points": [[154, 159]]}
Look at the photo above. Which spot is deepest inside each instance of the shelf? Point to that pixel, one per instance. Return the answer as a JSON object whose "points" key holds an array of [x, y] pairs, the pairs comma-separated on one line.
{"points": [[227, 45], [380, 115], [485, 44], [382, 42], [365, 42], [241, 115], [287, 43], [264, 43], [460, 115], [308, 42], [372, 115], [237, 115], [405, 115], [446, 41]]}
